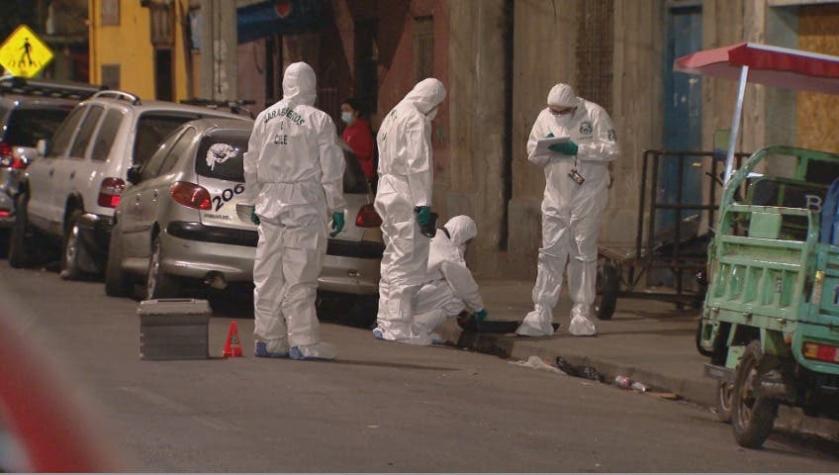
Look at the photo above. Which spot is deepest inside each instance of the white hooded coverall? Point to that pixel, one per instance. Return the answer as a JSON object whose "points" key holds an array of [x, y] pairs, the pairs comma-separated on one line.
{"points": [[450, 287], [570, 212], [295, 170], [405, 171]]}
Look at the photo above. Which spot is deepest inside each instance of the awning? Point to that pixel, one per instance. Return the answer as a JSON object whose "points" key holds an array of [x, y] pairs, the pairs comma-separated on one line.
{"points": [[261, 19], [768, 65]]}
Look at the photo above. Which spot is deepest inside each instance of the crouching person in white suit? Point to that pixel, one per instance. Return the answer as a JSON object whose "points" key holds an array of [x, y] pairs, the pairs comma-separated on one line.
{"points": [[450, 289]]}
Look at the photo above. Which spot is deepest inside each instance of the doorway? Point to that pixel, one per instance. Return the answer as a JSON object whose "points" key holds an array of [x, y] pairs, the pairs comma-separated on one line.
{"points": [[682, 118]]}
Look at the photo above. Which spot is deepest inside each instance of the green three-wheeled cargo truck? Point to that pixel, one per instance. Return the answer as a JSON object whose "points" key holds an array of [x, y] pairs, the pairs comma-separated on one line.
{"points": [[770, 319]]}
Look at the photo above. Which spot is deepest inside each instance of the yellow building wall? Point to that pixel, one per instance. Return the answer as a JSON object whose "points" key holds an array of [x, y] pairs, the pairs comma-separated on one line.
{"points": [[129, 45], [818, 30]]}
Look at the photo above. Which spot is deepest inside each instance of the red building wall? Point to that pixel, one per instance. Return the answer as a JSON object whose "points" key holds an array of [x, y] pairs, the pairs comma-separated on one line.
{"points": [[396, 21]]}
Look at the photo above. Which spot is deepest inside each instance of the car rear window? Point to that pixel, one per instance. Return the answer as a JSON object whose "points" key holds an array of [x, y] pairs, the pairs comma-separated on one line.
{"points": [[26, 126], [220, 157], [152, 129]]}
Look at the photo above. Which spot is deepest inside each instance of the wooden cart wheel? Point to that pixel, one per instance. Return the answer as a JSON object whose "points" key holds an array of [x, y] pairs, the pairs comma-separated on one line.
{"points": [[608, 286]]}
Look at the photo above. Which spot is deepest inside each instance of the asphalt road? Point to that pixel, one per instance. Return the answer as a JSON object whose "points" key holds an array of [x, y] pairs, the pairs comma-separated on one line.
{"points": [[380, 407]]}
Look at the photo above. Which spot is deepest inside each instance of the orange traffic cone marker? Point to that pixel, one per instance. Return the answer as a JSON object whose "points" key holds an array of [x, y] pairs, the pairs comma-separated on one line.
{"points": [[233, 345]]}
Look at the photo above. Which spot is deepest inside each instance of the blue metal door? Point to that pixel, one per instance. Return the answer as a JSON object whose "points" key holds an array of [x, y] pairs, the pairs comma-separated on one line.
{"points": [[682, 118]]}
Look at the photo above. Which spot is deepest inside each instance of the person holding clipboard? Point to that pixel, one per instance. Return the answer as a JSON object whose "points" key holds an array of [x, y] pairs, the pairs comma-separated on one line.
{"points": [[575, 142]]}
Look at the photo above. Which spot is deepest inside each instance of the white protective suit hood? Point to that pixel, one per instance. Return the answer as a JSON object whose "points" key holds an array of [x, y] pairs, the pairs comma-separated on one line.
{"points": [[461, 230], [562, 95], [300, 84], [451, 288], [426, 95]]}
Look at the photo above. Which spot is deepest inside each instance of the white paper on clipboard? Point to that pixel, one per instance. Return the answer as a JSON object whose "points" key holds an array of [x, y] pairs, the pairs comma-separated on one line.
{"points": [[542, 152]]}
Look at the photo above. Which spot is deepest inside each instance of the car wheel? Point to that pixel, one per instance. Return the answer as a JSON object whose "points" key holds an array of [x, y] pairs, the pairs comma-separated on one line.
{"points": [[71, 248], [117, 282], [752, 416], [159, 285], [20, 241], [4, 243]]}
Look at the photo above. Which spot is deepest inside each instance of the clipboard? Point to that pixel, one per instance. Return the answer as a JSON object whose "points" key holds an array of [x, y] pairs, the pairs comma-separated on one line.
{"points": [[542, 155], [543, 144]]}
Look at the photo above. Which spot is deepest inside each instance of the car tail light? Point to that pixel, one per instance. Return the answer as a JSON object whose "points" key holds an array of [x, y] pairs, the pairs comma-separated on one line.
{"points": [[820, 352], [110, 191], [190, 195], [368, 217], [6, 158], [18, 164], [4, 213]]}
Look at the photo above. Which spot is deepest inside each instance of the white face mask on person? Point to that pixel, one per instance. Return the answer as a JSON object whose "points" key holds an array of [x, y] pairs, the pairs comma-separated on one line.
{"points": [[431, 115], [347, 117]]}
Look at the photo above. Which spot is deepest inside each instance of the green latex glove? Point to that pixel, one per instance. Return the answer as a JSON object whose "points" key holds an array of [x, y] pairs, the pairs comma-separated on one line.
{"points": [[337, 223], [480, 315], [423, 215], [565, 148], [254, 217]]}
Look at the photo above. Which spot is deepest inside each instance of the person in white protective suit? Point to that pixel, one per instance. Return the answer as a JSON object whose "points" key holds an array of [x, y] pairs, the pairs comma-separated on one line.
{"points": [[294, 168], [403, 200], [450, 287], [577, 175]]}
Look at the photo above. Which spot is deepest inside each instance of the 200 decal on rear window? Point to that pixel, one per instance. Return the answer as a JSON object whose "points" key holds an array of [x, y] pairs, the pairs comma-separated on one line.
{"points": [[227, 195]]}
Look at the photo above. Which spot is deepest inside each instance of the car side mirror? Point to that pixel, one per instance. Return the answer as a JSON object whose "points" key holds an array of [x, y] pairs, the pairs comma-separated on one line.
{"points": [[43, 147], [133, 174]]}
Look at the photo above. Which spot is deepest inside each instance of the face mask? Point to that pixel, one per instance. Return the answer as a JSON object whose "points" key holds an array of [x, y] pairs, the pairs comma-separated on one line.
{"points": [[346, 117], [563, 119], [431, 115]]}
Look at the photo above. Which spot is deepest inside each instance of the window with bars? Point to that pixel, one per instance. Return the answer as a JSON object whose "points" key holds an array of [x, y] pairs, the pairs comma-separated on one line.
{"points": [[110, 76], [595, 47], [110, 13]]}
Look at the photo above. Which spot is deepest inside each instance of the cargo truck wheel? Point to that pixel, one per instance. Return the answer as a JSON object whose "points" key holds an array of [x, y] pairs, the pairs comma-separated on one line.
{"points": [[752, 416], [159, 284], [725, 393], [608, 285]]}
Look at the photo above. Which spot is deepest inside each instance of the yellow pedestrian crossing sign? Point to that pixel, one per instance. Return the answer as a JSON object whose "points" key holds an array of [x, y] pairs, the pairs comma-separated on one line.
{"points": [[24, 54]]}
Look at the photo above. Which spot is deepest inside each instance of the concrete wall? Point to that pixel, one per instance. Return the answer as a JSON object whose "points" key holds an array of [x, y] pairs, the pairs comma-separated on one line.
{"points": [[543, 51], [474, 176]]}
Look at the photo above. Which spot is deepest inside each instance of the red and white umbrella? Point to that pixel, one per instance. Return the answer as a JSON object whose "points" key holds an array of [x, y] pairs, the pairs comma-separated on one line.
{"points": [[762, 64]]}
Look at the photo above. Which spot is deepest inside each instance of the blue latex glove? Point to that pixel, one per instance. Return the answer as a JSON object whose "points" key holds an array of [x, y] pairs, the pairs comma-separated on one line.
{"points": [[565, 148], [337, 223], [254, 217], [424, 215], [480, 315]]}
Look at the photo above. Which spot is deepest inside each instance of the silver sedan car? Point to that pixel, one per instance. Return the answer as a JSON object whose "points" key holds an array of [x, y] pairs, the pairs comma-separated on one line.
{"points": [[181, 222]]}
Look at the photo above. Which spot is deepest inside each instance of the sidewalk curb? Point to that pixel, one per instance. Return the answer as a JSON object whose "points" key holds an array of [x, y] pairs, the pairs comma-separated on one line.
{"points": [[701, 393]]}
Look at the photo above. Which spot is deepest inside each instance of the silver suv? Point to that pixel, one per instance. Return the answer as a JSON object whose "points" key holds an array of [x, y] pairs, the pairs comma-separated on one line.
{"points": [[68, 199], [181, 221], [30, 110]]}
